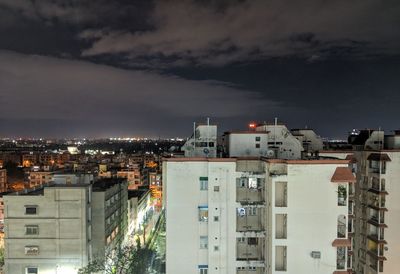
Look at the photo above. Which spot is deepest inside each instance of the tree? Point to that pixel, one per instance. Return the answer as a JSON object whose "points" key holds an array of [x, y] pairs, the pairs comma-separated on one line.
{"points": [[122, 260]]}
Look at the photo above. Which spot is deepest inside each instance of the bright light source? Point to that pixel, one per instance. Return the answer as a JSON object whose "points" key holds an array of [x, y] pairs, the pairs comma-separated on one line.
{"points": [[252, 125]]}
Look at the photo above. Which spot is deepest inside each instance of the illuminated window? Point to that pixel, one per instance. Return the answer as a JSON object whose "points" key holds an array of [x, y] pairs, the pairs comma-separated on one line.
{"points": [[203, 214], [32, 230], [203, 183], [31, 210], [31, 250]]}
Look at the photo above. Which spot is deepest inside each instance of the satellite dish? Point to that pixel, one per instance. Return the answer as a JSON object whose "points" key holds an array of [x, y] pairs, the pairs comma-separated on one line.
{"points": [[206, 151], [270, 153]]}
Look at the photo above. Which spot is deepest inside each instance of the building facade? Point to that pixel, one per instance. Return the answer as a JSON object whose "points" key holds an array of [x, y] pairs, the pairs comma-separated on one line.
{"points": [[233, 215]]}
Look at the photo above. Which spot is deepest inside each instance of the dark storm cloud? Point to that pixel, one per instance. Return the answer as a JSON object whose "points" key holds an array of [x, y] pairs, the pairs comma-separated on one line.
{"points": [[203, 32], [35, 88], [331, 65]]}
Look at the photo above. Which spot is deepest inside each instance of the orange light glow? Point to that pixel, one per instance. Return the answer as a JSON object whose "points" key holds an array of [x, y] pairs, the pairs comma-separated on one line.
{"points": [[252, 125]]}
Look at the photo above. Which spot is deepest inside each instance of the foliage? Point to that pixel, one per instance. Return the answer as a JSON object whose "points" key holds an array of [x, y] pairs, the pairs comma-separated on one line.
{"points": [[1, 256], [122, 260], [342, 191]]}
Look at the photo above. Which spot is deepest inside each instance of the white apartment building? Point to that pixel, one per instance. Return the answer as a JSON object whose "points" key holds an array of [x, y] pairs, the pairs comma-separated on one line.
{"points": [[60, 228], [203, 142], [246, 143], [46, 231], [233, 215], [309, 139]]}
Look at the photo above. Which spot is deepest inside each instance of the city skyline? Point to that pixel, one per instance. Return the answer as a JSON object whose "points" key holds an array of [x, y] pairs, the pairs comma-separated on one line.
{"points": [[151, 68]]}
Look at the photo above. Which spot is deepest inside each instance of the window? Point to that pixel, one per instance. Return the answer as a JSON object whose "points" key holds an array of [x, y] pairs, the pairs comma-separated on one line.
{"points": [[203, 183], [216, 218], [30, 210], [203, 214], [32, 230], [203, 270], [257, 145], [252, 241], [216, 248], [31, 270], [31, 250], [216, 188], [258, 139], [203, 242], [251, 211], [342, 195]]}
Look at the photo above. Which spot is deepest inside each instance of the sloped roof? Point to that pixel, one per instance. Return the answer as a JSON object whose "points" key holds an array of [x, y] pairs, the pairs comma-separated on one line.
{"points": [[343, 175]]}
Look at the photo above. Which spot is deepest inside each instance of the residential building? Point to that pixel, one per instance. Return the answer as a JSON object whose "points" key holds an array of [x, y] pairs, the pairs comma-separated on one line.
{"points": [[377, 207], [59, 228], [109, 214], [132, 176], [241, 215], [203, 142], [3, 180], [38, 178], [47, 230]]}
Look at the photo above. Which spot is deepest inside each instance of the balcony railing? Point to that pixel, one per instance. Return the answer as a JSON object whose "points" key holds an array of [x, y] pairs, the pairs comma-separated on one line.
{"points": [[249, 195]]}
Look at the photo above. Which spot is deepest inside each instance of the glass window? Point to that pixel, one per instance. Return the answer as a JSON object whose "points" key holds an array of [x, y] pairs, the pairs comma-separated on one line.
{"points": [[203, 183], [203, 242], [203, 214], [30, 210], [342, 195], [32, 230], [203, 271], [31, 250], [31, 270], [258, 139], [257, 145]]}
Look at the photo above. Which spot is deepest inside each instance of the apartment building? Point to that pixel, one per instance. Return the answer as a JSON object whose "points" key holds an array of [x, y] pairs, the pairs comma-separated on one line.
{"points": [[3, 180], [46, 230], [38, 178], [133, 177], [109, 213], [59, 228], [376, 241], [241, 215]]}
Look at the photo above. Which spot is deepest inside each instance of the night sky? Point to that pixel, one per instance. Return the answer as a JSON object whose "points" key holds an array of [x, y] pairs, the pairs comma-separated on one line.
{"points": [[85, 68]]}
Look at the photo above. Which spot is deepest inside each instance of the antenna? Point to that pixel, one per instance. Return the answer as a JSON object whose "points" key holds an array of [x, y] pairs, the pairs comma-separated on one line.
{"points": [[208, 136], [276, 123], [194, 136]]}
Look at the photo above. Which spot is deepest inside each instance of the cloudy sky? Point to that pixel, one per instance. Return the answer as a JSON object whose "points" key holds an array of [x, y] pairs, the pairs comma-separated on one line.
{"points": [[105, 68]]}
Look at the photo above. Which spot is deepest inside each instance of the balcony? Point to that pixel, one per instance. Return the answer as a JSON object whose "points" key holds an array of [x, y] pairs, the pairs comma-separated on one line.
{"points": [[249, 249], [250, 270], [379, 239], [246, 195], [250, 219], [341, 258], [377, 219]]}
